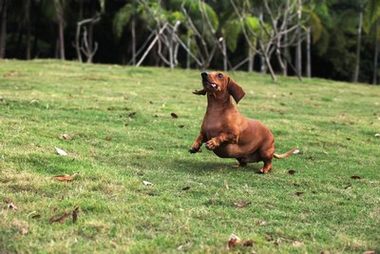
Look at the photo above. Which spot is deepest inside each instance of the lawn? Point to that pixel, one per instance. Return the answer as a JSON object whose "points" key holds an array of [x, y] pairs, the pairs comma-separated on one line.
{"points": [[117, 127]]}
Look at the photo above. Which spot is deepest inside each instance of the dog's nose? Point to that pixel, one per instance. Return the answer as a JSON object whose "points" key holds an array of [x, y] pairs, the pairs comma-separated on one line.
{"points": [[204, 74]]}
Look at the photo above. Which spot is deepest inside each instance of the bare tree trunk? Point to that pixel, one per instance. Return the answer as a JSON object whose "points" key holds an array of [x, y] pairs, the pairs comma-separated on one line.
{"points": [[188, 54], [375, 71], [133, 31], [286, 50], [263, 68], [251, 59], [3, 28], [77, 42], [61, 26], [279, 57], [355, 78], [224, 47], [61, 41], [308, 52], [271, 72], [91, 35], [28, 30], [158, 34], [299, 41]]}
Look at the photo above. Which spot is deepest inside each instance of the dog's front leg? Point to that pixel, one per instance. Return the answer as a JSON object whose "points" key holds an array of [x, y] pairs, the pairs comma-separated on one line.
{"points": [[222, 137], [197, 143]]}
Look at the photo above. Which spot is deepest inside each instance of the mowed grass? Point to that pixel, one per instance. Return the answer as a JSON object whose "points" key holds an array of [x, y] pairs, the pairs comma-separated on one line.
{"points": [[123, 133]]}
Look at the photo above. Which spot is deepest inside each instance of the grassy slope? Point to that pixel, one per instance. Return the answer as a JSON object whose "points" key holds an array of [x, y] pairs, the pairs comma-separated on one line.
{"points": [[334, 125]]}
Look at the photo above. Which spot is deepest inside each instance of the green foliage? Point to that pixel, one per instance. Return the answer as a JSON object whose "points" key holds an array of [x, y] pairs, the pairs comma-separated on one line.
{"points": [[372, 19], [314, 21], [232, 29], [122, 18], [327, 18]]}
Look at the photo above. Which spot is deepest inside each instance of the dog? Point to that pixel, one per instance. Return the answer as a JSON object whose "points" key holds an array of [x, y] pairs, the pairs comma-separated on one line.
{"points": [[229, 134]]}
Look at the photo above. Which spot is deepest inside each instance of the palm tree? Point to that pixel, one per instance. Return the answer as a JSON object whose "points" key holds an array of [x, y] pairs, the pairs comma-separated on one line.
{"points": [[127, 15], [372, 26], [55, 10], [358, 47], [3, 27], [60, 18], [202, 22], [314, 28]]}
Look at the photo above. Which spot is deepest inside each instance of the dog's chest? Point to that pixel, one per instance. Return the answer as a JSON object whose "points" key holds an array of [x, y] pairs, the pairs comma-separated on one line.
{"points": [[213, 125]]}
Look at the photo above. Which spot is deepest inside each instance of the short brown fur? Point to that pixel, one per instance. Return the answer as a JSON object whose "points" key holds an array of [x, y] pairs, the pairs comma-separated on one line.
{"points": [[229, 134]]}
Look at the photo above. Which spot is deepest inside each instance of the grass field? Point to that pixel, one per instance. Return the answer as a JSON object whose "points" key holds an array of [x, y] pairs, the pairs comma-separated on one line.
{"points": [[120, 132]]}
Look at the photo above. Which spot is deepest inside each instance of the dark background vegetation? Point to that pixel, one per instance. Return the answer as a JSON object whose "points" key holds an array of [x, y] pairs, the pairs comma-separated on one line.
{"points": [[30, 29]]}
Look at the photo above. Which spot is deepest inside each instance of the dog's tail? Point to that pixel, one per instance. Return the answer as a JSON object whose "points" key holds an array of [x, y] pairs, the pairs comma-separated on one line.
{"points": [[287, 154]]}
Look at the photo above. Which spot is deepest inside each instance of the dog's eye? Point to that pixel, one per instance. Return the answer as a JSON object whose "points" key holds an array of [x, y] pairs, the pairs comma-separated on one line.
{"points": [[220, 75]]}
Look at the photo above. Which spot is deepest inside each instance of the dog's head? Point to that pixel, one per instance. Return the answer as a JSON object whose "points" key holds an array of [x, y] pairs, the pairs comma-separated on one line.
{"points": [[220, 83]]}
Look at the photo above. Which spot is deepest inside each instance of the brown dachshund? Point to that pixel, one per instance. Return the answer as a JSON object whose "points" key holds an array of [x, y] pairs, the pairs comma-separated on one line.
{"points": [[226, 132]]}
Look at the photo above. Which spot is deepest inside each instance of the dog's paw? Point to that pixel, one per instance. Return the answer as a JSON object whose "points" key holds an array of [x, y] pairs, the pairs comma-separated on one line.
{"points": [[211, 144], [193, 150]]}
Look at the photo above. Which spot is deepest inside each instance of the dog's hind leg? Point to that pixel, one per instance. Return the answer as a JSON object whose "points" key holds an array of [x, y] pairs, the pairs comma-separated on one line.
{"points": [[266, 155], [242, 161]]}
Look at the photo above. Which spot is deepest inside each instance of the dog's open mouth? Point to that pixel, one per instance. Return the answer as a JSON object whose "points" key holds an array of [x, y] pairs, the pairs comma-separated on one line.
{"points": [[207, 83]]}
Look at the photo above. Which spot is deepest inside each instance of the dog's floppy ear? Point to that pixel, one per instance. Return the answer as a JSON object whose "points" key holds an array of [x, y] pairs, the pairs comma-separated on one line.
{"points": [[200, 92], [235, 90]]}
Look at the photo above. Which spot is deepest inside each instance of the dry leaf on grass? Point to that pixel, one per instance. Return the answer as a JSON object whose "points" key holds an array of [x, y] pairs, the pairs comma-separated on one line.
{"points": [[299, 193], [75, 214], [184, 247], [174, 115], [59, 218], [369, 252], [10, 204], [60, 151], [248, 243], [65, 178], [132, 114], [261, 223], [291, 172], [297, 244], [296, 151], [146, 183], [226, 185], [242, 203], [377, 135], [65, 136], [355, 177], [233, 241]]}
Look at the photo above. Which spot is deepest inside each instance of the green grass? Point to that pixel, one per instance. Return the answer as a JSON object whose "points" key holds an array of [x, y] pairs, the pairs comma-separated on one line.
{"points": [[123, 134]]}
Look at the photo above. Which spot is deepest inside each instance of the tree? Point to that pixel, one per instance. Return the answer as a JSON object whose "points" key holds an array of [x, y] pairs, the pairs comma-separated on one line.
{"points": [[314, 28], [203, 23], [3, 27], [358, 47], [60, 18], [299, 39], [55, 10], [372, 27], [272, 32], [233, 29], [127, 15]]}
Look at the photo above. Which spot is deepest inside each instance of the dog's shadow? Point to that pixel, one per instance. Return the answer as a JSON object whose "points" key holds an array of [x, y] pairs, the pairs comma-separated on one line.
{"points": [[205, 166]]}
